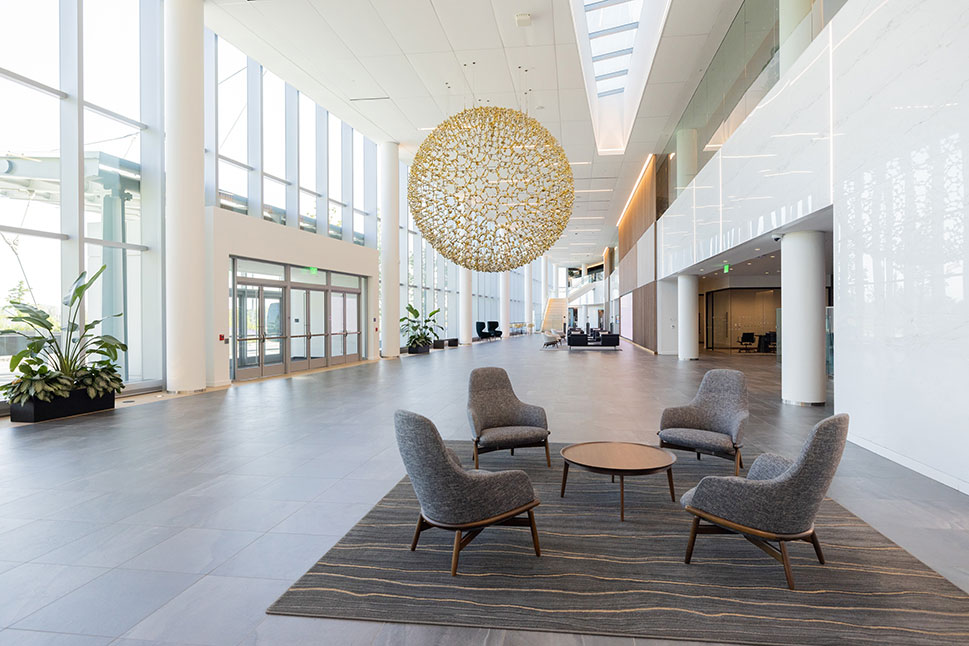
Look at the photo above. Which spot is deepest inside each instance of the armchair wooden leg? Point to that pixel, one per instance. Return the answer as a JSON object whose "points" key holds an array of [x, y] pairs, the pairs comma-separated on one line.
{"points": [[689, 546], [475, 455], [817, 547], [421, 526], [457, 551], [548, 456], [697, 456], [787, 565], [531, 521], [513, 451], [736, 463]]}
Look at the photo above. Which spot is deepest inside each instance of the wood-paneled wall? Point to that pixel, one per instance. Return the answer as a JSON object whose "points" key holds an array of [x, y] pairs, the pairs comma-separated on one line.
{"points": [[641, 213], [644, 316]]}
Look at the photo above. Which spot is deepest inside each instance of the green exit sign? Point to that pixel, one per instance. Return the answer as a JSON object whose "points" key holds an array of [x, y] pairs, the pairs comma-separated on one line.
{"points": [[726, 268]]}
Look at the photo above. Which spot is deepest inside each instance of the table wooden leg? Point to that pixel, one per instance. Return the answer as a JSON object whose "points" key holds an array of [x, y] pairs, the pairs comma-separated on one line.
{"points": [[669, 475], [622, 498], [565, 476]]}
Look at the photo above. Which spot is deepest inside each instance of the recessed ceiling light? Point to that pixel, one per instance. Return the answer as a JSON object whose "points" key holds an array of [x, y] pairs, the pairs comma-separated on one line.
{"points": [[593, 190], [749, 263], [425, 129], [756, 248], [580, 163], [772, 256], [588, 217]]}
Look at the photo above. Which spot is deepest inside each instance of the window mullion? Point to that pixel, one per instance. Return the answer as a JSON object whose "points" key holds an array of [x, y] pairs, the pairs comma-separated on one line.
{"points": [[254, 135]]}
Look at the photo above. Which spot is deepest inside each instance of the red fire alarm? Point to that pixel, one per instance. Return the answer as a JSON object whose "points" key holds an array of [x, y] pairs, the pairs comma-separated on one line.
{"points": [[221, 337]]}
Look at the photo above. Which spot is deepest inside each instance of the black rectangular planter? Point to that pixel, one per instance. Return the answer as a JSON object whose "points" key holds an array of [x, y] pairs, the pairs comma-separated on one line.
{"points": [[438, 344], [418, 349], [78, 402], [452, 343]]}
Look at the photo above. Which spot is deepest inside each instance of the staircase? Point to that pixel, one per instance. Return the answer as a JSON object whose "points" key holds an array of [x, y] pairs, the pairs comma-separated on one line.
{"points": [[581, 290], [555, 311]]}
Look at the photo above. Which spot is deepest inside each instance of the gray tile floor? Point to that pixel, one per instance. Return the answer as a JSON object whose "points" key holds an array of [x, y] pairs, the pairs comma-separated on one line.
{"points": [[180, 521]]}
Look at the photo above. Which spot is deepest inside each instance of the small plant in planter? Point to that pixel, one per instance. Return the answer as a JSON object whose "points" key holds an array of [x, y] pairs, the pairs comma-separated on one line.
{"points": [[420, 331], [62, 372]]}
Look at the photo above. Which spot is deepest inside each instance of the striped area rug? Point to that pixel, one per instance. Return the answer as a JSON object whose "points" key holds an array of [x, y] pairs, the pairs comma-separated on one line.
{"points": [[599, 576]]}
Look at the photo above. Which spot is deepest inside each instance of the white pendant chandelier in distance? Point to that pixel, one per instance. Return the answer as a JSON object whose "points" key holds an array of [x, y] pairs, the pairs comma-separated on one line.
{"points": [[491, 189]]}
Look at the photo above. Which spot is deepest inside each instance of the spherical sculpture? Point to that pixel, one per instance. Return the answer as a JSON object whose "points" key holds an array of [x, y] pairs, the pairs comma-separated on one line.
{"points": [[491, 189]]}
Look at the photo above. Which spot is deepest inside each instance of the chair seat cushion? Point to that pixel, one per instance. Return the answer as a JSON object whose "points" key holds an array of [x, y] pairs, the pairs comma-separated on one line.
{"points": [[697, 439], [508, 437]]}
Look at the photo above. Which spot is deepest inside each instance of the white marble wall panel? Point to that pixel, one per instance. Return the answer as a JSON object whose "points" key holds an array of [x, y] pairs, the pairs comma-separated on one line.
{"points": [[901, 162], [627, 271], [646, 257], [676, 235], [707, 210]]}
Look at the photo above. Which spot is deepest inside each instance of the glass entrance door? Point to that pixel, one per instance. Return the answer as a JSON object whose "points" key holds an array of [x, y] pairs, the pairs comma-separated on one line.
{"points": [[260, 335], [299, 358], [344, 327], [337, 329], [317, 328]]}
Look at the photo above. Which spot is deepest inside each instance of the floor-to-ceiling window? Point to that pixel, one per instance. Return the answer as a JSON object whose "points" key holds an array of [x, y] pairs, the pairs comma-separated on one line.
{"points": [[80, 168], [281, 156]]}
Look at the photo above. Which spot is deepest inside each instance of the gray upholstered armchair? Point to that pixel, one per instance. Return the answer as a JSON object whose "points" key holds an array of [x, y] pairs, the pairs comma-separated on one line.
{"points": [[777, 501], [499, 420], [713, 423], [451, 498]]}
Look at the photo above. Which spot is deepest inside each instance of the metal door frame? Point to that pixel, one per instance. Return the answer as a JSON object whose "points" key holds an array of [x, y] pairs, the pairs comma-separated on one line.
{"points": [[262, 369]]}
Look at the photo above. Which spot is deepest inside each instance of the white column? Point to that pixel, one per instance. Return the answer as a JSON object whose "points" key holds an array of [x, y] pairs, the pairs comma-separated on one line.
{"points": [[794, 33], [803, 379], [688, 332], [466, 326], [529, 307], [543, 285], [388, 198], [185, 266], [504, 304], [555, 280], [686, 158]]}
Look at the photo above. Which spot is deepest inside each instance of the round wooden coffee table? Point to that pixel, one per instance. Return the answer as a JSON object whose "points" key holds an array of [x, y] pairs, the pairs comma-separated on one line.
{"points": [[619, 459]]}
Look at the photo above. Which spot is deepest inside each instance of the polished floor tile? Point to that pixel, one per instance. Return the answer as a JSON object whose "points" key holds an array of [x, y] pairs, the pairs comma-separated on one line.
{"points": [[180, 521]]}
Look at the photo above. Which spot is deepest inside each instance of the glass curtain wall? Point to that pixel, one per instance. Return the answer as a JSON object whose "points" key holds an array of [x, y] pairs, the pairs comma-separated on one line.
{"points": [[743, 70], [281, 156], [80, 171]]}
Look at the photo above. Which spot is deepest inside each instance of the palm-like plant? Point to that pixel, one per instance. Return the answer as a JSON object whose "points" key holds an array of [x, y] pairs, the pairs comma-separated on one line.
{"points": [[420, 331], [56, 362]]}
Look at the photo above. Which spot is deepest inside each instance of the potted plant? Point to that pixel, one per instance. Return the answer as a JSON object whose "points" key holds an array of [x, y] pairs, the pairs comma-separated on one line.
{"points": [[421, 332], [65, 371]]}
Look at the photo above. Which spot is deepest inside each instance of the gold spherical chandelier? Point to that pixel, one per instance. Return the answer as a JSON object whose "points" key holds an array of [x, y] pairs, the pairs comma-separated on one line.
{"points": [[491, 189]]}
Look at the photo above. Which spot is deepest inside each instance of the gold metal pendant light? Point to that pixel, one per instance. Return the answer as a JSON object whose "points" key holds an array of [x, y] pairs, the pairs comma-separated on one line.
{"points": [[491, 189]]}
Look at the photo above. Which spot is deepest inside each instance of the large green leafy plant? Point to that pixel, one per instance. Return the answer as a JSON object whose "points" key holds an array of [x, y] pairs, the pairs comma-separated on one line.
{"points": [[420, 331], [55, 362]]}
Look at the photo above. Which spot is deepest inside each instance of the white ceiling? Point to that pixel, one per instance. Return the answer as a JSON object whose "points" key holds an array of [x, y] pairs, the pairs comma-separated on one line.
{"points": [[420, 61]]}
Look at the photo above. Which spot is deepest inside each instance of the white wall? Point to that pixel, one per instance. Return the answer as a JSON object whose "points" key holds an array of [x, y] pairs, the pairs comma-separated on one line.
{"points": [[872, 119], [666, 304], [232, 234], [901, 108]]}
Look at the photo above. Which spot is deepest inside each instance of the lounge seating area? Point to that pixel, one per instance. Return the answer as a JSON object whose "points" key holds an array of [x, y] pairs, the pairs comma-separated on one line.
{"points": [[599, 340]]}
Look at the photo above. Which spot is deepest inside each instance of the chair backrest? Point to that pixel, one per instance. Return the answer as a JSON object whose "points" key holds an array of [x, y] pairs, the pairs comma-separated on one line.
{"points": [[721, 397], [747, 337], [431, 471], [492, 326], [807, 480], [491, 398], [479, 327], [550, 338]]}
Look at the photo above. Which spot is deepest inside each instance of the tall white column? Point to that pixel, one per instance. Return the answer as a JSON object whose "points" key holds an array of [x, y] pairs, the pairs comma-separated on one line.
{"points": [[555, 281], [686, 158], [388, 200], [803, 379], [543, 285], [185, 264], [687, 313], [504, 304], [466, 326], [529, 306], [794, 33]]}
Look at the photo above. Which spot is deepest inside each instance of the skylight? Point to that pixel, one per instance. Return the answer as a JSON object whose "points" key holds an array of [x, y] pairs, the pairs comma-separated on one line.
{"points": [[617, 40]]}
